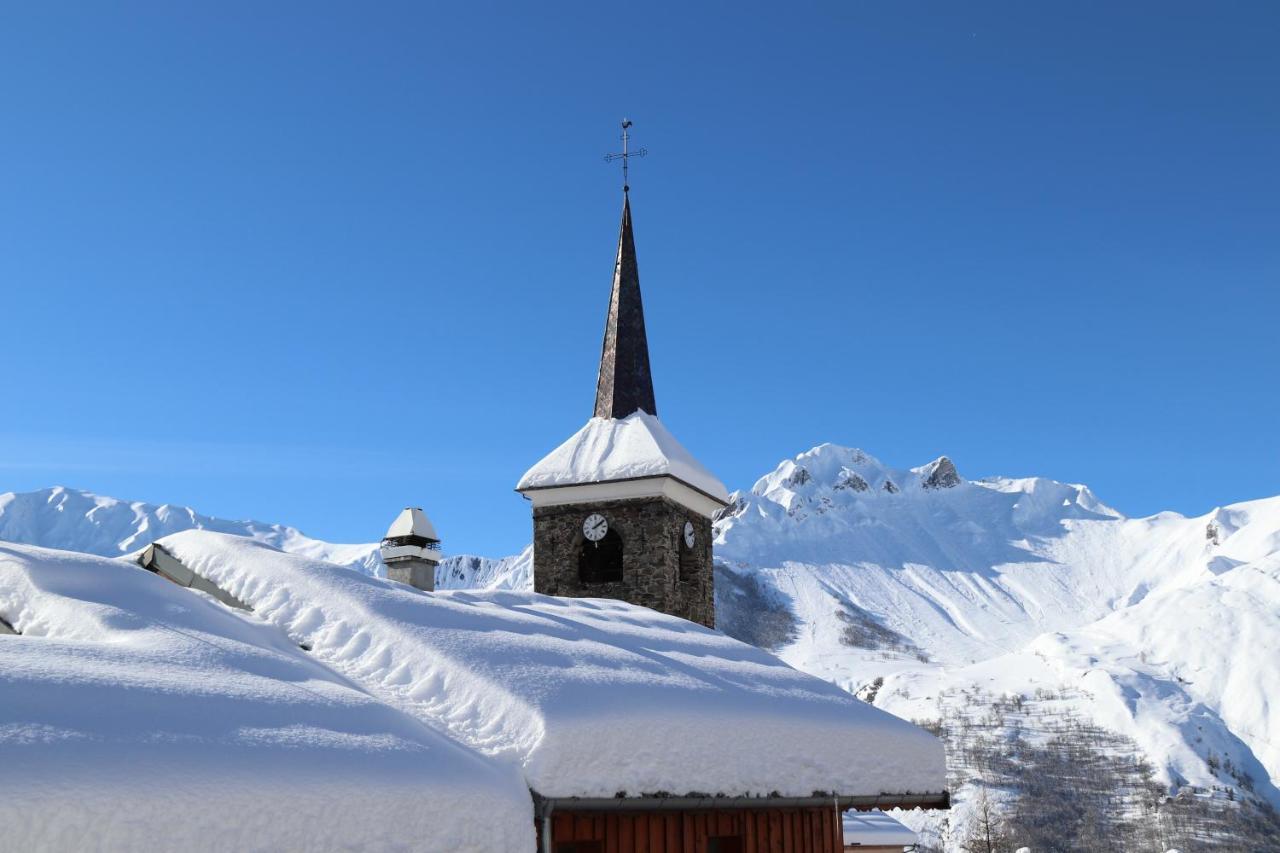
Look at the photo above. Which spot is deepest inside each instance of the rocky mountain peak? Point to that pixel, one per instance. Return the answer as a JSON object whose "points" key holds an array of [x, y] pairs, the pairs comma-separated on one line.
{"points": [[941, 473]]}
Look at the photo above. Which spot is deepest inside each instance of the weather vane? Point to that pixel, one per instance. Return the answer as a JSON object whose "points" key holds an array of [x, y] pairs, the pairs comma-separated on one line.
{"points": [[639, 152]]}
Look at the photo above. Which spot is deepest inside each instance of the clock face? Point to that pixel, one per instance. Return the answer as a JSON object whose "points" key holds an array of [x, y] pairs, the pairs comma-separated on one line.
{"points": [[595, 527], [688, 534]]}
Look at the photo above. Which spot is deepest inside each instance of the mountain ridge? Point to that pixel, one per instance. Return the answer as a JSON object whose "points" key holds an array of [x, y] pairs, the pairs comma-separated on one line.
{"points": [[914, 594], [76, 520]]}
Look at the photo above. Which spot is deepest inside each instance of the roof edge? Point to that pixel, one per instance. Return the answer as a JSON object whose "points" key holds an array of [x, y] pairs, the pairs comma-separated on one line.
{"points": [[544, 806], [679, 480]]}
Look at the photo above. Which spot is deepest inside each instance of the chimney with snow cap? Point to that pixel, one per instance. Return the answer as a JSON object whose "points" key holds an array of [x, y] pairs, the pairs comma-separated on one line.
{"points": [[411, 549]]}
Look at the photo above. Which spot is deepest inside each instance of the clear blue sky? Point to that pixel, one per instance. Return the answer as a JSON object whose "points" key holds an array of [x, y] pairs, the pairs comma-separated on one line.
{"points": [[311, 262]]}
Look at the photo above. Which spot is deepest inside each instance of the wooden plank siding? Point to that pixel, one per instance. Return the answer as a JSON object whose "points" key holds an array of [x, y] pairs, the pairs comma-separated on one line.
{"points": [[798, 830]]}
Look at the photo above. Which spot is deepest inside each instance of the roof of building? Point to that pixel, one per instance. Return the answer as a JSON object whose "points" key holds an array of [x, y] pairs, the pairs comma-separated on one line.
{"points": [[138, 715], [610, 449], [590, 697], [624, 384], [876, 829]]}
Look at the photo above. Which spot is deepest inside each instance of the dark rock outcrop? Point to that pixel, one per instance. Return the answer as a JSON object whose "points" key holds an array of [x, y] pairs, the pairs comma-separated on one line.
{"points": [[940, 474], [798, 477], [852, 481]]}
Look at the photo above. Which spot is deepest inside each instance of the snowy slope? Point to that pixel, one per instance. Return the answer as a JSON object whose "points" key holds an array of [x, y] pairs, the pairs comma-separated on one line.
{"points": [[1158, 625], [137, 715], [586, 695], [964, 570]]}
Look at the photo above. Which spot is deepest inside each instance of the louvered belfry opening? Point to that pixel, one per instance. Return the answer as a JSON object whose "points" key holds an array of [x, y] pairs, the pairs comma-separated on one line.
{"points": [[601, 562]]}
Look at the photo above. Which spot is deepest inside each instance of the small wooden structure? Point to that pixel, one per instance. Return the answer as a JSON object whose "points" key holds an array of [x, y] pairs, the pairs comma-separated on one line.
{"points": [[704, 824], [724, 831]]}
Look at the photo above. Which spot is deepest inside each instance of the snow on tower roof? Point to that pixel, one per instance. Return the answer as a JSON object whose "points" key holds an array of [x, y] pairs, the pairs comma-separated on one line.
{"points": [[412, 521], [610, 449], [138, 715], [589, 697]]}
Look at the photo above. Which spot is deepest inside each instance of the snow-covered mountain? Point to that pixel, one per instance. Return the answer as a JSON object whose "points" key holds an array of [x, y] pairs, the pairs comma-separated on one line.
{"points": [[468, 572], [939, 598], [74, 520], [916, 587]]}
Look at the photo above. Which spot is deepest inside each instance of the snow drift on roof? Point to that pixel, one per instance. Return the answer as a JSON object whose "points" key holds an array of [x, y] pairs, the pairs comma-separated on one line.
{"points": [[138, 715], [611, 449], [590, 696]]}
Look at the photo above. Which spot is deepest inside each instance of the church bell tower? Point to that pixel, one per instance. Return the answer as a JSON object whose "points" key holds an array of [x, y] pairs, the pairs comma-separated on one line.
{"points": [[621, 510]]}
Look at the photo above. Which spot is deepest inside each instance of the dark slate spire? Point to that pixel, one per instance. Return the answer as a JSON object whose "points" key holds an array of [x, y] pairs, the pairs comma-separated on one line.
{"points": [[625, 384]]}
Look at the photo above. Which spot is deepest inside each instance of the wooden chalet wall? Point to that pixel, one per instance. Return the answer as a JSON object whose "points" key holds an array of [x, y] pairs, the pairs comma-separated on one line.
{"points": [[798, 830]]}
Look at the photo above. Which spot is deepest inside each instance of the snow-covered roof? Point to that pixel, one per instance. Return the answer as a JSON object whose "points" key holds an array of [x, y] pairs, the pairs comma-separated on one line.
{"points": [[876, 829], [609, 449], [412, 521], [138, 715], [589, 696]]}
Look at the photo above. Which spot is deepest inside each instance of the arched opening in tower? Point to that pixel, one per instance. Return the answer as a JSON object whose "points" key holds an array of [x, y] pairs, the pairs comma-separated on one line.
{"points": [[601, 562], [688, 562]]}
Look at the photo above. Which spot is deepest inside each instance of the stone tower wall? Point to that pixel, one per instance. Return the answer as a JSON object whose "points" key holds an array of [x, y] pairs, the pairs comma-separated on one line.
{"points": [[652, 543]]}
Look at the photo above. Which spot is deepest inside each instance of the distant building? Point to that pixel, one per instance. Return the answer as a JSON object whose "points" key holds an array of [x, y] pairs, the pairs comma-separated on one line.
{"points": [[621, 510], [411, 549], [875, 832]]}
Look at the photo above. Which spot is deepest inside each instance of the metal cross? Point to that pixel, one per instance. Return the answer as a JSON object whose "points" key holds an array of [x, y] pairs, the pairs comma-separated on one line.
{"points": [[639, 152]]}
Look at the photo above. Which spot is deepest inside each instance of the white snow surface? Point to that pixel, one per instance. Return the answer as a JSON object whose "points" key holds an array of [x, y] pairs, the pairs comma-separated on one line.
{"points": [[876, 829], [590, 697], [137, 715], [619, 449]]}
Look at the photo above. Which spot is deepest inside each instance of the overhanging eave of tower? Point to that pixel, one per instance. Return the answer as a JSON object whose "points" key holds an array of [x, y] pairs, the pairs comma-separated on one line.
{"points": [[625, 384], [622, 459]]}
